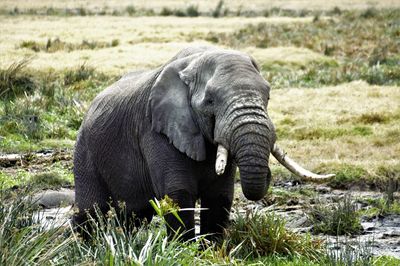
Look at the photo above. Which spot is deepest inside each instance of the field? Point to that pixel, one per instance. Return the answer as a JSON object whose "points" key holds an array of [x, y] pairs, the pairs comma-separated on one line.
{"points": [[334, 70]]}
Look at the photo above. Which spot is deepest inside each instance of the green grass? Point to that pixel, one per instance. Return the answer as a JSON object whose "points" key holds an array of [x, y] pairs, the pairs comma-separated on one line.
{"points": [[261, 234], [341, 218], [15, 80], [350, 252], [23, 241], [345, 174], [49, 180], [51, 107], [381, 208], [253, 238], [376, 59], [386, 261], [290, 196], [53, 176]]}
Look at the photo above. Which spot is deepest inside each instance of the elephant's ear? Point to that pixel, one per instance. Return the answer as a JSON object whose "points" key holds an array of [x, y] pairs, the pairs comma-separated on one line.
{"points": [[170, 111]]}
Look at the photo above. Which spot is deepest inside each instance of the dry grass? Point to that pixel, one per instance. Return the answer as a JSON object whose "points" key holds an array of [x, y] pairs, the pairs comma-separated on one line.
{"points": [[203, 5], [334, 108], [145, 42], [294, 56]]}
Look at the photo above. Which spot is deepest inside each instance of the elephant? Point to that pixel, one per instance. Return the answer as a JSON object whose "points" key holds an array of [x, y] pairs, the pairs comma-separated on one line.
{"points": [[179, 130]]}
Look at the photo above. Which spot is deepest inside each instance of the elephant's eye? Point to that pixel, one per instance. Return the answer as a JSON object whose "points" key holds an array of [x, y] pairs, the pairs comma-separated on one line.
{"points": [[209, 101]]}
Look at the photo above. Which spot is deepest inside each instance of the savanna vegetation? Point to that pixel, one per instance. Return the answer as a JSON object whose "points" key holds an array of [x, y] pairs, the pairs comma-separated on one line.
{"points": [[334, 71]]}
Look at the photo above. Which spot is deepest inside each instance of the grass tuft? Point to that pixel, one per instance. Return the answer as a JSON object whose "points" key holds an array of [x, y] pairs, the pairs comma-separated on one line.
{"points": [[15, 80], [81, 73], [349, 253], [371, 118], [55, 45], [22, 240], [48, 180], [192, 11], [341, 218], [260, 234], [345, 174]]}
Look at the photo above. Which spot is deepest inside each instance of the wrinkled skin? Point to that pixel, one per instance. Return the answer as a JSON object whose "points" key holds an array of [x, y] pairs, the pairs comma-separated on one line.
{"points": [[155, 133]]}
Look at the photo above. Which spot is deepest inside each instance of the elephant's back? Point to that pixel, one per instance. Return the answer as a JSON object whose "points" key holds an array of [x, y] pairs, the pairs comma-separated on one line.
{"points": [[112, 128]]}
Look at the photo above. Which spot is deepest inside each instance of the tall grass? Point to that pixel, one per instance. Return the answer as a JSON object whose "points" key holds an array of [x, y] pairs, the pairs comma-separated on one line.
{"points": [[15, 81], [261, 234], [341, 218], [252, 238], [24, 242], [38, 105]]}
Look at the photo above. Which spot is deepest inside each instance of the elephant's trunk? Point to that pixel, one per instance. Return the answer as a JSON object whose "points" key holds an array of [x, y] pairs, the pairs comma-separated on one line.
{"points": [[255, 174], [251, 149]]}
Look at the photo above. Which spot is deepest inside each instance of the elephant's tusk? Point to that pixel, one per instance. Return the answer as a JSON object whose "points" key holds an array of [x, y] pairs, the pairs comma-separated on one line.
{"points": [[222, 158], [296, 169]]}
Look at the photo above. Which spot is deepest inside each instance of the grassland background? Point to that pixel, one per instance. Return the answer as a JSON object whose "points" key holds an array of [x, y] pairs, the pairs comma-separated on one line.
{"points": [[334, 107], [203, 5]]}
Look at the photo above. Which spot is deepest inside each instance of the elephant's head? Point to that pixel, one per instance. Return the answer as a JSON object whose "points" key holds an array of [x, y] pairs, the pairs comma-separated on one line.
{"points": [[217, 96]]}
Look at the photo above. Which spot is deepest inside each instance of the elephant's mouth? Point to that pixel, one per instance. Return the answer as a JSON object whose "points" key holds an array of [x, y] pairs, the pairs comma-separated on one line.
{"points": [[280, 155]]}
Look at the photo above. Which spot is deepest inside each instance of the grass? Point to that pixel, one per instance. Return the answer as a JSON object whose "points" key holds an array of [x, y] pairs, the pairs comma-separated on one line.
{"points": [[208, 8], [24, 242], [14, 80], [256, 238], [351, 253], [375, 60], [52, 175], [53, 109], [341, 218], [54, 45], [48, 180], [113, 244], [258, 234], [337, 115]]}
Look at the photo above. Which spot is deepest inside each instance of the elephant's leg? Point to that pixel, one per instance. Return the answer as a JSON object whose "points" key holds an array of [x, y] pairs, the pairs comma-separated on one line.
{"points": [[216, 199], [90, 192], [183, 199], [172, 174]]}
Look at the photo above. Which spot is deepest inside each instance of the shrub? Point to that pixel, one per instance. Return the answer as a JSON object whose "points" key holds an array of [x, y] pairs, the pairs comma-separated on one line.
{"points": [[370, 12], [192, 11], [179, 13], [131, 10], [371, 118], [165, 11], [83, 72], [114, 42]]}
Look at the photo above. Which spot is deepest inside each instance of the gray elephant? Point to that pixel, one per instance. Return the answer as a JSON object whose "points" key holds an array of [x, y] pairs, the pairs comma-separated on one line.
{"points": [[179, 130]]}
